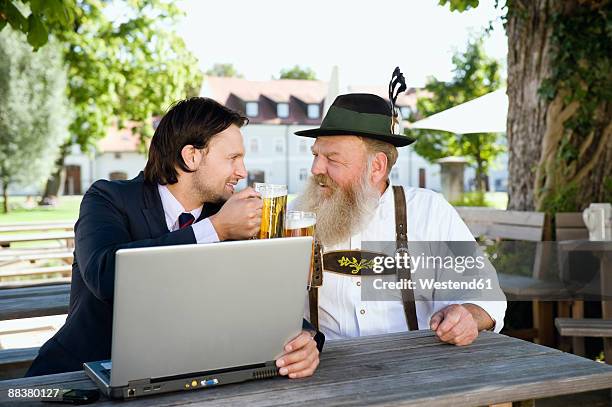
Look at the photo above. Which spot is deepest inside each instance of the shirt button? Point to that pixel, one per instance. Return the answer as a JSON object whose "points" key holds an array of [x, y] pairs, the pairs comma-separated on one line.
{"points": [[362, 311]]}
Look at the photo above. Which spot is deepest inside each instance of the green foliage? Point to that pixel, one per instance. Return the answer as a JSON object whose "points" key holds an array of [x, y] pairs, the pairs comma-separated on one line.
{"points": [[476, 198], [459, 5], [128, 71], [581, 59], [298, 73], [224, 70], [475, 75], [33, 109], [43, 17], [565, 199]]}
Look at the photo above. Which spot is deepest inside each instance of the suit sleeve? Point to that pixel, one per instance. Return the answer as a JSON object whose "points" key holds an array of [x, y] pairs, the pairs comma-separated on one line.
{"points": [[319, 337], [101, 230]]}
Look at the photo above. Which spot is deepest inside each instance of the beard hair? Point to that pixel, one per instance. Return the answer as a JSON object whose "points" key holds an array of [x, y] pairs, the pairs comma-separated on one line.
{"points": [[344, 211]]}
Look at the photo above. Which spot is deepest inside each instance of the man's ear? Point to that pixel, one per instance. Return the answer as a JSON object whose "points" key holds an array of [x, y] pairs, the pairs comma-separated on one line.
{"points": [[379, 168], [191, 157]]}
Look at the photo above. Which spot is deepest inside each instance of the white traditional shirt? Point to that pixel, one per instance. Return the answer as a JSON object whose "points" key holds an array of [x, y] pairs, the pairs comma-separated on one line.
{"points": [[342, 313]]}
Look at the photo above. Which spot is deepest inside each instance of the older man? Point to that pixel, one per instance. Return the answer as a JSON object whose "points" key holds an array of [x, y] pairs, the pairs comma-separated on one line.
{"points": [[350, 193]]}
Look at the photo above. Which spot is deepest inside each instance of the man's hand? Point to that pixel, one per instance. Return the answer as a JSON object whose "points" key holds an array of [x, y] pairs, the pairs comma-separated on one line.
{"points": [[459, 324], [301, 357], [240, 216]]}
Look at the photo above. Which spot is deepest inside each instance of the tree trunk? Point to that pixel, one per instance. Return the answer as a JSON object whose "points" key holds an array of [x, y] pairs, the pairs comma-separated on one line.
{"points": [[538, 173], [5, 207], [53, 187], [528, 64]]}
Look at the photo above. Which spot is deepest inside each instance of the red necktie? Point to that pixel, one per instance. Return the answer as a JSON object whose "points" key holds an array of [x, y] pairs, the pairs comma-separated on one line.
{"points": [[185, 220]]}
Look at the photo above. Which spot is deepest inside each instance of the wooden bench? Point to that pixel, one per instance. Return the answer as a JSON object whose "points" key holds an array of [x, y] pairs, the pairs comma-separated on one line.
{"points": [[31, 302], [27, 303], [36, 226], [6, 240], [501, 225], [592, 327], [14, 363], [597, 327], [12, 256], [570, 226]]}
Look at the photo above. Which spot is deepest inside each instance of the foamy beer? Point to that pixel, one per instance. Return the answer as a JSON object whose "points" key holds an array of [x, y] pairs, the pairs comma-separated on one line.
{"points": [[298, 223], [273, 212]]}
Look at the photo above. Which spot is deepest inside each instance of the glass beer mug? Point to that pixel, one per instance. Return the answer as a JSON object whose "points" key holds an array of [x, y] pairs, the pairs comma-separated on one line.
{"points": [[273, 212], [298, 223]]}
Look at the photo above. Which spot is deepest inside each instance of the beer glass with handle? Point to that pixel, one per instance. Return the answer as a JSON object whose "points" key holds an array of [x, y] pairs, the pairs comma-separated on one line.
{"points": [[273, 212]]}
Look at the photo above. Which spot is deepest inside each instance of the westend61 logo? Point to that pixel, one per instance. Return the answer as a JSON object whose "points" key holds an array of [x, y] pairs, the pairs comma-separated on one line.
{"points": [[402, 260]]}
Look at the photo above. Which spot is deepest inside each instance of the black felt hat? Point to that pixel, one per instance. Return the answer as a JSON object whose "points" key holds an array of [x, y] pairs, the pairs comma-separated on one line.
{"points": [[366, 115]]}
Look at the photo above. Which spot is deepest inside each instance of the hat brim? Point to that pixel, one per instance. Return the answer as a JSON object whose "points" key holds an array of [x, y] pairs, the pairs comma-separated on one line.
{"points": [[397, 140]]}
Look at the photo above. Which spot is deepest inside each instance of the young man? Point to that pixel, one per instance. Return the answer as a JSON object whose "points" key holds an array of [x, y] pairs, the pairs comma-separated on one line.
{"points": [[350, 193], [185, 196]]}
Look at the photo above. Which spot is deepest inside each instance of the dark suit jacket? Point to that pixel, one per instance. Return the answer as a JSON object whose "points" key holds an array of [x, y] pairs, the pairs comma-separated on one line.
{"points": [[114, 215]]}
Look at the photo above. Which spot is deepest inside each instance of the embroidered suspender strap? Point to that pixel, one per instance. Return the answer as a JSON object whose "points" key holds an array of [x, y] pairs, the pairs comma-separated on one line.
{"points": [[315, 282], [401, 236]]}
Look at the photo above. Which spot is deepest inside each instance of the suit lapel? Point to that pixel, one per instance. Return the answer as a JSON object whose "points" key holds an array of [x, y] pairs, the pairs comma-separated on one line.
{"points": [[153, 211]]}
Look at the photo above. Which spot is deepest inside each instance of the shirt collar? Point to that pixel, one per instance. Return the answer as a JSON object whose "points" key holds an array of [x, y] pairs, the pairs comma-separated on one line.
{"points": [[173, 208]]}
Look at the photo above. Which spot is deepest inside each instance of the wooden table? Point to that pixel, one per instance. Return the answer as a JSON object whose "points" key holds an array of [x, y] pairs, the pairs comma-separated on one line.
{"points": [[408, 369]]}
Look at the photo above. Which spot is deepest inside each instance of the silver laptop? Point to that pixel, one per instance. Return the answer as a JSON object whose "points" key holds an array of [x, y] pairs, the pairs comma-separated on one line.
{"points": [[194, 316]]}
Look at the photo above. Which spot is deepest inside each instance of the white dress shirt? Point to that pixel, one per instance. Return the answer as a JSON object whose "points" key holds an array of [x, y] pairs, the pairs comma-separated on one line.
{"points": [[430, 217], [203, 230]]}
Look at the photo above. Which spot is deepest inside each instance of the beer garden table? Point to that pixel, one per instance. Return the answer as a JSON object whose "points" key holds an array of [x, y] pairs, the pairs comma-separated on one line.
{"points": [[408, 369]]}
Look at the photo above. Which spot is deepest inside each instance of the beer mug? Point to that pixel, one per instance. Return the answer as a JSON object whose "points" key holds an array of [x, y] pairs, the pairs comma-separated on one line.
{"points": [[298, 223], [273, 212]]}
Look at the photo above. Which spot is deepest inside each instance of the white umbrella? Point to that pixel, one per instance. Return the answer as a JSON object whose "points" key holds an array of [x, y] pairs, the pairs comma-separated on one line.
{"points": [[485, 114]]}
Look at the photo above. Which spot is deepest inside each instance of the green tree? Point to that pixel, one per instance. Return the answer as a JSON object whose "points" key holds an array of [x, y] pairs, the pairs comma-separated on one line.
{"points": [[474, 75], [119, 72], [224, 70], [33, 110], [298, 73], [560, 102], [40, 17]]}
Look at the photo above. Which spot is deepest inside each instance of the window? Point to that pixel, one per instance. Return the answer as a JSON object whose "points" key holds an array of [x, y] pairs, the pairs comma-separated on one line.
{"points": [[254, 145], [282, 110], [279, 147], [252, 109], [394, 174], [303, 146], [314, 111], [405, 111], [303, 174]]}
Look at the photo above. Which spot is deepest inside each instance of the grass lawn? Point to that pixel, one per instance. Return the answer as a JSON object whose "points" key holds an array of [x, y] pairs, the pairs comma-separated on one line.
{"points": [[67, 209]]}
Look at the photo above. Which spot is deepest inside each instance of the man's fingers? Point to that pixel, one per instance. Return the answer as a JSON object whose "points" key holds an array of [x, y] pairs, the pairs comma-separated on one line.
{"points": [[302, 364], [306, 372], [435, 320], [298, 342], [458, 330], [305, 352], [248, 193], [451, 318]]}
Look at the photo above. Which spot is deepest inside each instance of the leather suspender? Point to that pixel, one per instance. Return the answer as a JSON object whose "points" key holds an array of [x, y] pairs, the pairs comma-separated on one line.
{"points": [[401, 236], [315, 282]]}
